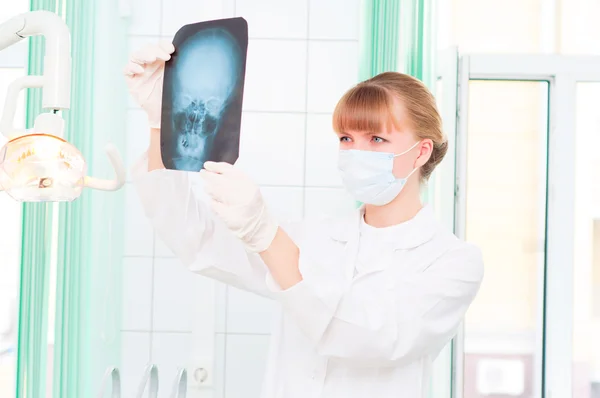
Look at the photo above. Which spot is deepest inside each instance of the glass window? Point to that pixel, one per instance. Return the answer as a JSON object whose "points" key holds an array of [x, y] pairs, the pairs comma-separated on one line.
{"points": [[505, 216], [509, 198], [488, 26], [586, 300], [579, 27]]}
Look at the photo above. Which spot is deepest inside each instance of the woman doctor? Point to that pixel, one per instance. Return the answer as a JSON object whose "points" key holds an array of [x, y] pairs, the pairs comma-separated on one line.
{"points": [[368, 301]]}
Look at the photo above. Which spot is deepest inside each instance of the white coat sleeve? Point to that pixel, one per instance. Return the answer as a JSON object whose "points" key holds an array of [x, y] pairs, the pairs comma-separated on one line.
{"points": [[366, 325], [193, 233]]}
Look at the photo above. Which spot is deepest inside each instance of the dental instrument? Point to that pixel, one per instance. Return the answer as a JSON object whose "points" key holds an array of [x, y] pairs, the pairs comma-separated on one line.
{"points": [[180, 385], [39, 165], [150, 380], [114, 376]]}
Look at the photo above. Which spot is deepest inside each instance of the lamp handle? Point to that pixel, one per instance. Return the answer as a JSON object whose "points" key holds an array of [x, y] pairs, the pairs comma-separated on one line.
{"points": [[10, 105], [119, 168]]}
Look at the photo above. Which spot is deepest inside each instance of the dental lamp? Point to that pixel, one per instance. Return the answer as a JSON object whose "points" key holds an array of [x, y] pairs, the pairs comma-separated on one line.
{"points": [[39, 165]]}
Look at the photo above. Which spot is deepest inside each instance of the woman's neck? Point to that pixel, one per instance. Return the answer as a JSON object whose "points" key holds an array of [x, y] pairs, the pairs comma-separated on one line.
{"points": [[403, 208]]}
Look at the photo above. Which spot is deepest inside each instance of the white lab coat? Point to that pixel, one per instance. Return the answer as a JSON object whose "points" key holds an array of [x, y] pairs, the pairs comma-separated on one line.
{"points": [[339, 335]]}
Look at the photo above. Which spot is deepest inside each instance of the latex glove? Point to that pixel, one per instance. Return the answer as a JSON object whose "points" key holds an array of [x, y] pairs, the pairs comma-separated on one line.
{"points": [[144, 77], [237, 200]]}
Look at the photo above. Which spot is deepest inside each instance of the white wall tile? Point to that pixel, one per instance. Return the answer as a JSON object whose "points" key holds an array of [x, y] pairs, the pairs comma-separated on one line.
{"points": [[272, 151], [174, 295], [177, 13], [219, 370], [221, 307], [138, 42], [327, 202], [275, 76], [200, 393], [139, 237], [170, 352], [328, 21], [322, 147], [332, 70], [161, 249], [138, 138], [135, 355], [136, 293], [245, 365], [249, 313], [280, 19], [285, 203], [145, 17], [272, 148]]}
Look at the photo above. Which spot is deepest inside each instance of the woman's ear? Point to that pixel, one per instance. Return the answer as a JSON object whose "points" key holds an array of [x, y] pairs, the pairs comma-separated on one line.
{"points": [[425, 151]]}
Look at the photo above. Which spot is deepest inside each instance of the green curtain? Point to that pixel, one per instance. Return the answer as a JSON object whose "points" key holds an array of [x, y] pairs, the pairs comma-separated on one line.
{"points": [[399, 36], [418, 50], [87, 234], [379, 44], [37, 229], [74, 221], [418, 45], [105, 121], [90, 229]]}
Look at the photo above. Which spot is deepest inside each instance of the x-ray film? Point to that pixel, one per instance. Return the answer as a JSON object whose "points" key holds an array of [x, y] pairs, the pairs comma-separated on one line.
{"points": [[202, 94]]}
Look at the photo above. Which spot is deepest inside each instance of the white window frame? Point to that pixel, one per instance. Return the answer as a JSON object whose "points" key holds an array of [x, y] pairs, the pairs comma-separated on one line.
{"points": [[556, 289]]}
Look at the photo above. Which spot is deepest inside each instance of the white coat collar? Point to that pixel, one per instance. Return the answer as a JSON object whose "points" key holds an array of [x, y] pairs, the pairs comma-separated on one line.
{"points": [[410, 234]]}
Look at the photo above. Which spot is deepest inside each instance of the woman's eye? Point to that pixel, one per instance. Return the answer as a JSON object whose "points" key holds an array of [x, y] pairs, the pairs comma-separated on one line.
{"points": [[344, 139], [378, 139]]}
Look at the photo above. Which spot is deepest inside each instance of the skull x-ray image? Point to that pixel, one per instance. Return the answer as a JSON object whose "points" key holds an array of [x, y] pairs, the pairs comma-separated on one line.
{"points": [[202, 94]]}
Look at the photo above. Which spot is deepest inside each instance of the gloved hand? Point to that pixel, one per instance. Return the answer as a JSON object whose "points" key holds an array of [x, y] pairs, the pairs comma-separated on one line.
{"points": [[237, 200], [144, 77]]}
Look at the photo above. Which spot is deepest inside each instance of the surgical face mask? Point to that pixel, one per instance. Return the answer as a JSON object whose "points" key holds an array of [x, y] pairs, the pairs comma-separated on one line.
{"points": [[369, 177]]}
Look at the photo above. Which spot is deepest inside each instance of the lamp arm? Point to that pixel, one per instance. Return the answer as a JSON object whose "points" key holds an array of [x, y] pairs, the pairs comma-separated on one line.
{"points": [[56, 78]]}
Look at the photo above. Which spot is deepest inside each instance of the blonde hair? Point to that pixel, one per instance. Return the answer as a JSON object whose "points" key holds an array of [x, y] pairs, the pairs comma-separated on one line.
{"points": [[370, 106]]}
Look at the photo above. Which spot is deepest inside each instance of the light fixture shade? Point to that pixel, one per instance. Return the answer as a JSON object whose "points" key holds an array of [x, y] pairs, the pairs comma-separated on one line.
{"points": [[42, 168]]}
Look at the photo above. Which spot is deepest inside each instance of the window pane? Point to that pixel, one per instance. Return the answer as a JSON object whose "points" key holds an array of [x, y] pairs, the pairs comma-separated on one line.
{"points": [[489, 26], [579, 28], [506, 201], [586, 300], [519, 26]]}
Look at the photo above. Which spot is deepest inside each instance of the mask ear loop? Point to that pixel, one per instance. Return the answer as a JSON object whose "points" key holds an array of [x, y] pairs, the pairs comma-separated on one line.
{"points": [[408, 150], [412, 172]]}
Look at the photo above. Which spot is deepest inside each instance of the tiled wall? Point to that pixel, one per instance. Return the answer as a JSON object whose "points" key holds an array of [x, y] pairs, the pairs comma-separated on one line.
{"points": [[302, 55]]}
